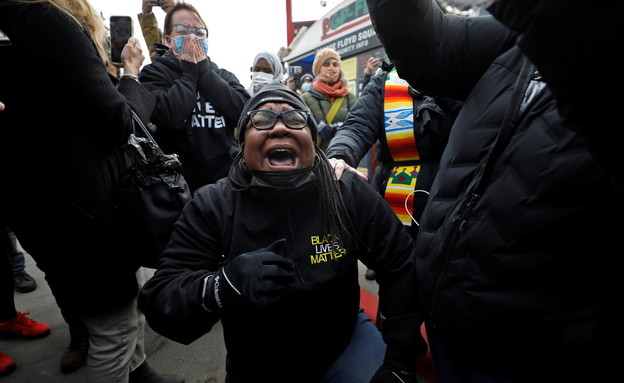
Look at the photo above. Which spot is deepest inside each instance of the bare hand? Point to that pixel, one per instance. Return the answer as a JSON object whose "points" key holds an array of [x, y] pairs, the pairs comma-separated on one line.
{"points": [[192, 50], [147, 6], [340, 166], [372, 64], [132, 56]]}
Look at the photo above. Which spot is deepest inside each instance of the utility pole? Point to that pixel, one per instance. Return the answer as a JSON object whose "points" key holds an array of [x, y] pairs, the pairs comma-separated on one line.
{"points": [[290, 27]]}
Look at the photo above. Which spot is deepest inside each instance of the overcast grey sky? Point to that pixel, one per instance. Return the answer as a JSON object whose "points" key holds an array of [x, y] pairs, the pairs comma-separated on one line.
{"points": [[238, 29]]}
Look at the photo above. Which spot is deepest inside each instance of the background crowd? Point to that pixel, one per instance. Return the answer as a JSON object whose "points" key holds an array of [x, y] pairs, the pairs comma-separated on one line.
{"points": [[491, 219]]}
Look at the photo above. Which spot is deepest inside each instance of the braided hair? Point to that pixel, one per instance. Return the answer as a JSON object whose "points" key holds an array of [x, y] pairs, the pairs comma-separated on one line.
{"points": [[334, 215]]}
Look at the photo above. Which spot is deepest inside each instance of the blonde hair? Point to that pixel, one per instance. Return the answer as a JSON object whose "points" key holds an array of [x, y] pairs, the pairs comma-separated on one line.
{"points": [[86, 17]]}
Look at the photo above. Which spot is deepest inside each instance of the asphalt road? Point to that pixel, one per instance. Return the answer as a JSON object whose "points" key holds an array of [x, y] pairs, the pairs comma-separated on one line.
{"points": [[38, 360]]}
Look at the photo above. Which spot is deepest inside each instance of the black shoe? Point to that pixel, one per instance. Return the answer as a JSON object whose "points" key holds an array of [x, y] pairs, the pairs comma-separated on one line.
{"points": [[24, 283], [146, 374], [75, 355], [370, 275]]}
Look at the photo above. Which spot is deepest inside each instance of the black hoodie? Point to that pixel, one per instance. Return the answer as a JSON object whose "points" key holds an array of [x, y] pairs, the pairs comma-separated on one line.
{"points": [[303, 335], [197, 108]]}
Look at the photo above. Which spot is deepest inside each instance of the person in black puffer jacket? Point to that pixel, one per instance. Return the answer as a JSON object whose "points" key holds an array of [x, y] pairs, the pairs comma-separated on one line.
{"points": [[516, 251]]}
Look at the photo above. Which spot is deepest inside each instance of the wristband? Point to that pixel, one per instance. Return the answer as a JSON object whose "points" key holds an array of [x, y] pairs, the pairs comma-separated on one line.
{"points": [[131, 76]]}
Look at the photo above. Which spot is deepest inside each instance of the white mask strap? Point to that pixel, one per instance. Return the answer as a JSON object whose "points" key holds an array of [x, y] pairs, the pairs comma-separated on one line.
{"points": [[407, 209]]}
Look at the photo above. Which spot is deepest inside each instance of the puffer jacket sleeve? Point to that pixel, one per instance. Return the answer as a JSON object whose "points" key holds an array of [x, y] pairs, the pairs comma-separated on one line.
{"points": [[361, 129], [172, 299], [565, 54], [151, 33], [386, 247], [447, 53]]}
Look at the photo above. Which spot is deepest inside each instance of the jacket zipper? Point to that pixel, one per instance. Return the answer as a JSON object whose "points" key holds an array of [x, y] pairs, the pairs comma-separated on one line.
{"points": [[508, 126]]}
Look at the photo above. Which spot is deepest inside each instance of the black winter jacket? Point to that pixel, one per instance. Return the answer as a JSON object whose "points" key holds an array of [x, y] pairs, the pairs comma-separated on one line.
{"points": [[514, 252], [303, 336], [197, 109], [64, 119]]}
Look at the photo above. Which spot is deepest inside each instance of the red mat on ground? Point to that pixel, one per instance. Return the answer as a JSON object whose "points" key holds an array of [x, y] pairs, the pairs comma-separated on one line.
{"points": [[369, 302]]}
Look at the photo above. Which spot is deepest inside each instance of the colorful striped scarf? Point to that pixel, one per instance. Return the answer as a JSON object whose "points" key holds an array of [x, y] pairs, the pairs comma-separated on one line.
{"points": [[399, 126]]}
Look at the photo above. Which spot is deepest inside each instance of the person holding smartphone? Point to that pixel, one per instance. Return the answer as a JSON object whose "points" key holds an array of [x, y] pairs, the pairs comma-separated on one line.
{"points": [[371, 67], [64, 146]]}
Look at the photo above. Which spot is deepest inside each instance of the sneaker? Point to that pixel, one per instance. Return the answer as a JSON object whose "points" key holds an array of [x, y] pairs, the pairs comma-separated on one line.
{"points": [[7, 364], [24, 283], [75, 355], [370, 274], [24, 327]]}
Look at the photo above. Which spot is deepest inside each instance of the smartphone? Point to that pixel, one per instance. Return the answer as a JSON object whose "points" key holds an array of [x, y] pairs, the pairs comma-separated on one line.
{"points": [[120, 32], [4, 39]]}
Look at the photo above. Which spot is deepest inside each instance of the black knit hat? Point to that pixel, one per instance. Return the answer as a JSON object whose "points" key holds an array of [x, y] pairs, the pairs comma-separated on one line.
{"points": [[274, 92]]}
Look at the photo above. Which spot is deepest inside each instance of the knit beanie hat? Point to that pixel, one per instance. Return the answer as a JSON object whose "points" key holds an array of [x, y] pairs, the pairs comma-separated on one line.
{"points": [[274, 92], [321, 56]]}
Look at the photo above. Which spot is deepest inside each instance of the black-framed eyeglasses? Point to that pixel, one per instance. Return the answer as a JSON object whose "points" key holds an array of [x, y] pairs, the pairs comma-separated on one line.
{"points": [[265, 119], [182, 29]]}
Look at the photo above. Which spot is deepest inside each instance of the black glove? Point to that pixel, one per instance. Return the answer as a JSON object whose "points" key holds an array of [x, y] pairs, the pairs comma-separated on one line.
{"points": [[256, 279], [387, 374]]}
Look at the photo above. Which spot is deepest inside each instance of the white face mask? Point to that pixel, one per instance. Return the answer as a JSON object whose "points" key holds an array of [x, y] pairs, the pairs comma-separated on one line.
{"points": [[306, 86], [259, 80]]}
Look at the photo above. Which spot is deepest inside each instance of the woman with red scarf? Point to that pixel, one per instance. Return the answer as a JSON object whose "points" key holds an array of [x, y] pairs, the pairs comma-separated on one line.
{"points": [[329, 100]]}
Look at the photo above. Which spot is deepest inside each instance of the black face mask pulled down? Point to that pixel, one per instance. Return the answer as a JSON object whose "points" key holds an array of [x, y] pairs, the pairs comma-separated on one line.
{"points": [[241, 177], [280, 187], [290, 179]]}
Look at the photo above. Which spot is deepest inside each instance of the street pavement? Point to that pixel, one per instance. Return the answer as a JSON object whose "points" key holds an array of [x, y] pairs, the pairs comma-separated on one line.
{"points": [[38, 360]]}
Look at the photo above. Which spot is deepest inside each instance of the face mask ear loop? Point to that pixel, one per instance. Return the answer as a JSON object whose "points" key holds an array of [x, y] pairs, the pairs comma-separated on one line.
{"points": [[407, 198]]}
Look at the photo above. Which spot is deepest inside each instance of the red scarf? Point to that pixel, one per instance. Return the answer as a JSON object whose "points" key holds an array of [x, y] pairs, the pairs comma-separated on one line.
{"points": [[331, 91]]}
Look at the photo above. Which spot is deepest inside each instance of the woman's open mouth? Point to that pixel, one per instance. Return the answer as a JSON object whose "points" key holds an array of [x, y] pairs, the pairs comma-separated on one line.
{"points": [[282, 157]]}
